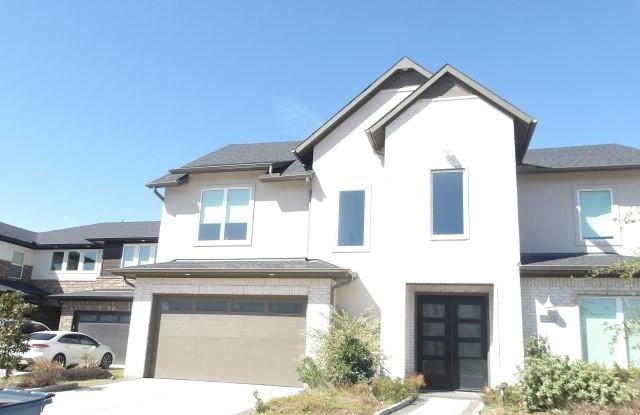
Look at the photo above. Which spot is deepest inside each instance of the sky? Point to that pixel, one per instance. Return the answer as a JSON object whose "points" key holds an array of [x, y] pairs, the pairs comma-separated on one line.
{"points": [[97, 98]]}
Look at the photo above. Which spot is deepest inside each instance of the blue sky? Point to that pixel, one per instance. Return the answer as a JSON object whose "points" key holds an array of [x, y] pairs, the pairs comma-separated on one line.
{"points": [[99, 97]]}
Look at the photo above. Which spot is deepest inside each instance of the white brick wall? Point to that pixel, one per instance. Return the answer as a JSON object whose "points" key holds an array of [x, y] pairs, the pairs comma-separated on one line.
{"points": [[563, 331], [318, 292]]}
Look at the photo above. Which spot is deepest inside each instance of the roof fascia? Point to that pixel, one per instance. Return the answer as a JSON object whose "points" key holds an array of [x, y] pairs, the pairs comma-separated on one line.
{"points": [[304, 148]]}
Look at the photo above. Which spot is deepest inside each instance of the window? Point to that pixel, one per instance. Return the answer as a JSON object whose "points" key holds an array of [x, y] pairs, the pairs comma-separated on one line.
{"points": [[599, 316], [225, 214], [42, 336], [448, 203], [89, 260], [17, 265], [596, 214], [133, 255], [74, 261], [351, 220], [56, 261]]}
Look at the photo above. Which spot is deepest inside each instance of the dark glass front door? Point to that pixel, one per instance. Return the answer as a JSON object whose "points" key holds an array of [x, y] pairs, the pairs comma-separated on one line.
{"points": [[452, 341]]}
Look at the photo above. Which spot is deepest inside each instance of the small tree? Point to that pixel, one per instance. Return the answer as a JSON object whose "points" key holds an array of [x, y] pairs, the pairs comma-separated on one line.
{"points": [[13, 313]]}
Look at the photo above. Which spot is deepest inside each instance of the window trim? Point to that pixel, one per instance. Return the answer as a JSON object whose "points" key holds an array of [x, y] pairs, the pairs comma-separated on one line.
{"points": [[366, 237], [222, 242], [465, 207], [13, 253], [615, 216], [80, 270], [136, 253]]}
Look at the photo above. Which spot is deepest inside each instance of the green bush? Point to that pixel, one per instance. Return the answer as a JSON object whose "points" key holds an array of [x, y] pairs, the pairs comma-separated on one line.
{"points": [[394, 390], [507, 397], [549, 382], [310, 374], [349, 352], [536, 346]]}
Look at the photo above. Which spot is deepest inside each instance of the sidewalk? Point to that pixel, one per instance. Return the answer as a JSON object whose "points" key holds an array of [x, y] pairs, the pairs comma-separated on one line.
{"points": [[443, 403]]}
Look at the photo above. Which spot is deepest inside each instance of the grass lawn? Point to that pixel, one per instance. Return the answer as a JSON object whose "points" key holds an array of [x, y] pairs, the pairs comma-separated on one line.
{"points": [[357, 400]]}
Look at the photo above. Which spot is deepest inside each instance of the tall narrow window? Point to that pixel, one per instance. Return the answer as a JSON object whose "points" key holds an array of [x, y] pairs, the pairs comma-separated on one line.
{"points": [[225, 214], [596, 219], [73, 260], [447, 198], [56, 261], [351, 218], [17, 265]]}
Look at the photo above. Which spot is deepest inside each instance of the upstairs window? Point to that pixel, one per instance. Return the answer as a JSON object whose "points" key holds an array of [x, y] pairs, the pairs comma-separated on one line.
{"points": [[17, 265], [74, 260], [226, 214], [595, 207], [448, 203], [140, 254], [351, 218]]}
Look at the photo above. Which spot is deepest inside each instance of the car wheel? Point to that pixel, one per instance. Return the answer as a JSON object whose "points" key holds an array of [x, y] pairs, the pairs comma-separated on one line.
{"points": [[106, 361], [60, 359]]}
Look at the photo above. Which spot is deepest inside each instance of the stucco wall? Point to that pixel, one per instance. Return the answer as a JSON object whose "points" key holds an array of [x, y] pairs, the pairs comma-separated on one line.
{"points": [[548, 211], [318, 292], [279, 219]]}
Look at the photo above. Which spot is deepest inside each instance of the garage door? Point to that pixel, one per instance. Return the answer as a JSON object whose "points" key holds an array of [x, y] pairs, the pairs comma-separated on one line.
{"points": [[110, 328], [256, 340]]}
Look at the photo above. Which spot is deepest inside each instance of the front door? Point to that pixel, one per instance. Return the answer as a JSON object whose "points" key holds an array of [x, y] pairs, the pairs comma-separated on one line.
{"points": [[452, 341]]}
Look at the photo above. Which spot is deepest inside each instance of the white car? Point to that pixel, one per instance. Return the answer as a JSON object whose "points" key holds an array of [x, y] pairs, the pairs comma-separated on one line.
{"points": [[65, 348]]}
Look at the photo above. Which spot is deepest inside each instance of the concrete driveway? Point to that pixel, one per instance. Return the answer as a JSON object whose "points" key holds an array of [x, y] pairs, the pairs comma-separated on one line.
{"points": [[162, 396]]}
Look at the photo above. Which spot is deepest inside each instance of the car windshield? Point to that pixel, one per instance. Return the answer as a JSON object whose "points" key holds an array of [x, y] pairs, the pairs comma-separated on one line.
{"points": [[42, 336]]}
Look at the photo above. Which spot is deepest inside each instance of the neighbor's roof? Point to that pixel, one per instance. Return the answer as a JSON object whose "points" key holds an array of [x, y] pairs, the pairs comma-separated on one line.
{"points": [[297, 267], [276, 156], [578, 158], [524, 123], [81, 235], [29, 291], [123, 295], [567, 262]]}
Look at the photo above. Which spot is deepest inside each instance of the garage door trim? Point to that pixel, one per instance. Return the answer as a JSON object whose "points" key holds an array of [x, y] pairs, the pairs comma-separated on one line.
{"points": [[76, 316], [154, 332]]}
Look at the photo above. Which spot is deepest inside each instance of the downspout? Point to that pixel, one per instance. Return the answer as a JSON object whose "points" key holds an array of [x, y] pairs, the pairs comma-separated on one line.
{"points": [[129, 283], [158, 194], [334, 287]]}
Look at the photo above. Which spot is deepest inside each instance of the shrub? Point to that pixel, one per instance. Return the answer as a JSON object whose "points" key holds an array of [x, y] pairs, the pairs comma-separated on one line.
{"points": [[349, 351], [13, 341], [395, 390], [85, 373], [310, 374], [507, 397], [536, 346], [549, 382], [44, 373], [260, 406]]}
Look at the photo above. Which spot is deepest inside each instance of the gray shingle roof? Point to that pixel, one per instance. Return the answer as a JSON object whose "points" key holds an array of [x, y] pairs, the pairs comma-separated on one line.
{"points": [[81, 235], [296, 267], [567, 261], [123, 295], [260, 155], [599, 156]]}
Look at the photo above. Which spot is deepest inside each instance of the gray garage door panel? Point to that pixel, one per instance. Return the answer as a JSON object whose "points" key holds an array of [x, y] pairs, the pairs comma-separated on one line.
{"points": [[260, 349], [114, 335]]}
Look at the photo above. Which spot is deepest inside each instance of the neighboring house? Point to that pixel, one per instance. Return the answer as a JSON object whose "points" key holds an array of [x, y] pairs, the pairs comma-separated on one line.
{"points": [[67, 273]]}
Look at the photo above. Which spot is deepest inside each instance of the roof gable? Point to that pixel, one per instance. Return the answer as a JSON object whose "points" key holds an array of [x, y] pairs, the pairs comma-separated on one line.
{"points": [[405, 70], [524, 126]]}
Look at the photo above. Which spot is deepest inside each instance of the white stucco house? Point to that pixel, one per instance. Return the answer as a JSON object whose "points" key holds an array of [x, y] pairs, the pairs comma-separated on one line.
{"points": [[419, 201]]}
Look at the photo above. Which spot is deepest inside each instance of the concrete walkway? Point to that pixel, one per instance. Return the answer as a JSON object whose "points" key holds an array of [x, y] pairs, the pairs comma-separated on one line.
{"points": [[443, 403], [162, 397]]}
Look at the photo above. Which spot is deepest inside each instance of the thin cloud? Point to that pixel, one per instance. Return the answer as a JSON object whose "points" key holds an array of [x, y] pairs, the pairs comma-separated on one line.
{"points": [[298, 119]]}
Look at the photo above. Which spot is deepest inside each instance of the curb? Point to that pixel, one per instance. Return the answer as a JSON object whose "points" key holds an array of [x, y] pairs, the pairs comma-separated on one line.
{"points": [[56, 388], [478, 409], [397, 406]]}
